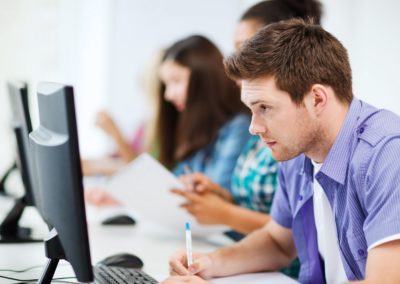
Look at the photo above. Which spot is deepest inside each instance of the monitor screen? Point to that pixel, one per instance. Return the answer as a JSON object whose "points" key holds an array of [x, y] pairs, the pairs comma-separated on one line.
{"points": [[22, 126], [10, 231], [58, 178]]}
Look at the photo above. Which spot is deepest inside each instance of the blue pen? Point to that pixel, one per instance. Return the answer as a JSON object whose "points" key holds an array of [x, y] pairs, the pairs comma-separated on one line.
{"points": [[188, 245]]}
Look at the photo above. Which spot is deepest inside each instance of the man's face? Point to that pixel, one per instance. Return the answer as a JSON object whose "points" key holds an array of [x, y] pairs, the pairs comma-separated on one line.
{"points": [[288, 129]]}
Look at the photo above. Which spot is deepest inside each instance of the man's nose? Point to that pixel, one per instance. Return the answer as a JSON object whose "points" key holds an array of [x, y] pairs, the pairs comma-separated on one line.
{"points": [[256, 127]]}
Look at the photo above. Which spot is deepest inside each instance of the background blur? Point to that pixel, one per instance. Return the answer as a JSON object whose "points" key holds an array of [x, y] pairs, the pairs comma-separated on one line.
{"points": [[101, 47]]}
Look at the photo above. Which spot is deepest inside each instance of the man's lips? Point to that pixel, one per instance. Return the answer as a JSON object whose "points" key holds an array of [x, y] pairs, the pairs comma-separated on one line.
{"points": [[269, 143]]}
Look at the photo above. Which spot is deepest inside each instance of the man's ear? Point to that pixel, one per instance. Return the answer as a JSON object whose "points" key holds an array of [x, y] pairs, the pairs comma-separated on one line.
{"points": [[317, 98]]}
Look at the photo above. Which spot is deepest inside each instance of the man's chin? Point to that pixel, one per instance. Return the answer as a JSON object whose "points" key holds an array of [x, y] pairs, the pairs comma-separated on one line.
{"points": [[283, 156]]}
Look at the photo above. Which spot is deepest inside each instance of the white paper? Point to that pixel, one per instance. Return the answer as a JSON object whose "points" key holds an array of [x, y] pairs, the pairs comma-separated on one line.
{"points": [[255, 278], [144, 186]]}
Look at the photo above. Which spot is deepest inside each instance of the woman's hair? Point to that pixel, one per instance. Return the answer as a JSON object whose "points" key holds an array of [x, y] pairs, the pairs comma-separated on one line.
{"points": [[152, 88], [271, 11], [212, 99]]}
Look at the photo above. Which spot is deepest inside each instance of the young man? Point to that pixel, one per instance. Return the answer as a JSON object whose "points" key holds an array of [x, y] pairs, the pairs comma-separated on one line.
{"points": [[338, 204]]}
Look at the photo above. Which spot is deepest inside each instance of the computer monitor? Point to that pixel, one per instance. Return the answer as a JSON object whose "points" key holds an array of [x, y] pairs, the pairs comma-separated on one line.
{"points": [[58, 180], [10, 231]]}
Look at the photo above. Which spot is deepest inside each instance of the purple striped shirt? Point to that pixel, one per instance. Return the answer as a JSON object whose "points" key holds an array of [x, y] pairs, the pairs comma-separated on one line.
{"points": [[361, 178]]}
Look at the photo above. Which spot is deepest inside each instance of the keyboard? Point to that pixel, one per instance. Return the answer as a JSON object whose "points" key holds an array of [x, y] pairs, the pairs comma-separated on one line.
{"points": [[113, 274]]}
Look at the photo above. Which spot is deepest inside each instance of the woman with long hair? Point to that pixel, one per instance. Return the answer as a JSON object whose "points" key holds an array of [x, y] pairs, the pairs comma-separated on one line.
{"points": [[202, 123]]}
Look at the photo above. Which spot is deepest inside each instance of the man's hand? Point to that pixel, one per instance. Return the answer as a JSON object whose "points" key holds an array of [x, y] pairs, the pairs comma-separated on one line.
{"points": [[202, 265], [191, 279]]}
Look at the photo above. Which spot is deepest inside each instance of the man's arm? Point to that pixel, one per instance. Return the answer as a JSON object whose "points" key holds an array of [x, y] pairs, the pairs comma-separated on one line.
{"points": [[383, 264], [269, 248]]}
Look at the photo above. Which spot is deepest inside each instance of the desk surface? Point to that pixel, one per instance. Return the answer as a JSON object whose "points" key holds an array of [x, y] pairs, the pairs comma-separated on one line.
{"points": [[151, 243]]}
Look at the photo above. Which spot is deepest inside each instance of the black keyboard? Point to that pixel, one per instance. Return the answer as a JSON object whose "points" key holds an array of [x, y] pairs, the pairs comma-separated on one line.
{"points": [[113, 274]]}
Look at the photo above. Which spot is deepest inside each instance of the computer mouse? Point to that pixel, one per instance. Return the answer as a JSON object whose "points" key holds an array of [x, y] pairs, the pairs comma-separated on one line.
{"points": [[119, 220], [125, 260]]}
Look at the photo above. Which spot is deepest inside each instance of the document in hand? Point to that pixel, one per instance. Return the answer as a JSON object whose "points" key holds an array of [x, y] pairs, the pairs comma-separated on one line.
{"points": [[144, 185]]}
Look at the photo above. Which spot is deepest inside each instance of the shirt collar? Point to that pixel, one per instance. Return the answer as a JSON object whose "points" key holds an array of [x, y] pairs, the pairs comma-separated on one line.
{"points": [[337, 161]]}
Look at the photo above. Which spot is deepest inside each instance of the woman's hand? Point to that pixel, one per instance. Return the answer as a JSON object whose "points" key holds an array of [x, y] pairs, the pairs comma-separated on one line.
{"points": [[200, 183], [207, 208]]}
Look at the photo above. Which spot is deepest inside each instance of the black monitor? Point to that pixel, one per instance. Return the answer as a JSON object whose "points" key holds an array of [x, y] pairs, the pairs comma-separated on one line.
{"points": [[10, 231], [58, 181]]}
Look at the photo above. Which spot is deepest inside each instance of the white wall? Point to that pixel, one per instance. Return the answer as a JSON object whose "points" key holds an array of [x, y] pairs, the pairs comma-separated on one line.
{"points": [[102, 46], [370, 31], [141, 28]]}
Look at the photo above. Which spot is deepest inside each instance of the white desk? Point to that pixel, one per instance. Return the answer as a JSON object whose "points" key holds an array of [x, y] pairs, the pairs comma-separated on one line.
{"points": [[152, 244]]}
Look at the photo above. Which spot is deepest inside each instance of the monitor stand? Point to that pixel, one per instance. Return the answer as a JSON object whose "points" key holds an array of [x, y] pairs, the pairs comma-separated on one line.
{"points": [[4, 179], [54, 252], [10, 231]]}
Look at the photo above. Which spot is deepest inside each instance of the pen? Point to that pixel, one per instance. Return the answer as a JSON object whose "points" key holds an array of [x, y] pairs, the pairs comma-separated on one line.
{"points": [[188, 172], [188, 245]]}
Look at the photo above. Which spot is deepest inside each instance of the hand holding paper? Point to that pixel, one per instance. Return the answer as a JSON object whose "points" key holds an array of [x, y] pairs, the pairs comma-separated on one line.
{"points": [[144, 185]]}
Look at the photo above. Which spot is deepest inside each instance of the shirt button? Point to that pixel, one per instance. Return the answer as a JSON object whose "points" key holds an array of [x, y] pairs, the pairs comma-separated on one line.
{"points": [[360, 252], [300, 197], [361, 130]]}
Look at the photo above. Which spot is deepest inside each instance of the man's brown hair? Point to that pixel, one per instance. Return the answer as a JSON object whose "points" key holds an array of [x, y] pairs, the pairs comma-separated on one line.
{"points": [[297, 54]]}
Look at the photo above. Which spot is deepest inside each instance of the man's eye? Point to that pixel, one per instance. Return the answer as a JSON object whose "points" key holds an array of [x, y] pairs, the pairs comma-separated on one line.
{"points": [[263, 108]]}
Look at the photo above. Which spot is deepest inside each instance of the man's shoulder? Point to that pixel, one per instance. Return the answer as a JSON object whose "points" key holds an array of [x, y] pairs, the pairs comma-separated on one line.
{"points": [[377, 126]]}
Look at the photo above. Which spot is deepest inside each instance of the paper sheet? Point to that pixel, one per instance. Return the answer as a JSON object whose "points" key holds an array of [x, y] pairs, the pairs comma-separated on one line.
{"points": [[144, 186]]}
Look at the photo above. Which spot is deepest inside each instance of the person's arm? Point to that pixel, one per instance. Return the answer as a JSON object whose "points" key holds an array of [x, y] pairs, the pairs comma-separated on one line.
{"points": [[383, 264], [381, 196], [245, 220], [105, 122], [267, 249], [104, 166], [124, 149], [209, 208]]}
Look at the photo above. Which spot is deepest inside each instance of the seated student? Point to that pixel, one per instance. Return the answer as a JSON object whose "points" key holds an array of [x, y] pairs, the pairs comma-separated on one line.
{"points": [[144, 137], [254, 179], [337, 205], [202, 124]]}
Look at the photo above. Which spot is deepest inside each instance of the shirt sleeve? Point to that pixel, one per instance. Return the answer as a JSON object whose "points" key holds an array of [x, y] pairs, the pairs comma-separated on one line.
{"points": [[382, 193], [280, 211], [218, 159], [230, 143]]}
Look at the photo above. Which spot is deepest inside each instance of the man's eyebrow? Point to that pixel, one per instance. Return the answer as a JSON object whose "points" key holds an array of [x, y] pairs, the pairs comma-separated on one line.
{"points": [[256, 102]]}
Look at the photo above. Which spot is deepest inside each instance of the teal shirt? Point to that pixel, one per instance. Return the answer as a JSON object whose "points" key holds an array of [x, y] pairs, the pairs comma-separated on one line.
{"points": [[255, 177]]}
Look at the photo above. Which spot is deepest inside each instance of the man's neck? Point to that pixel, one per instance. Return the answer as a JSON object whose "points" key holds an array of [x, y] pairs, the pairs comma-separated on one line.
{"points": [[331, 123]]}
